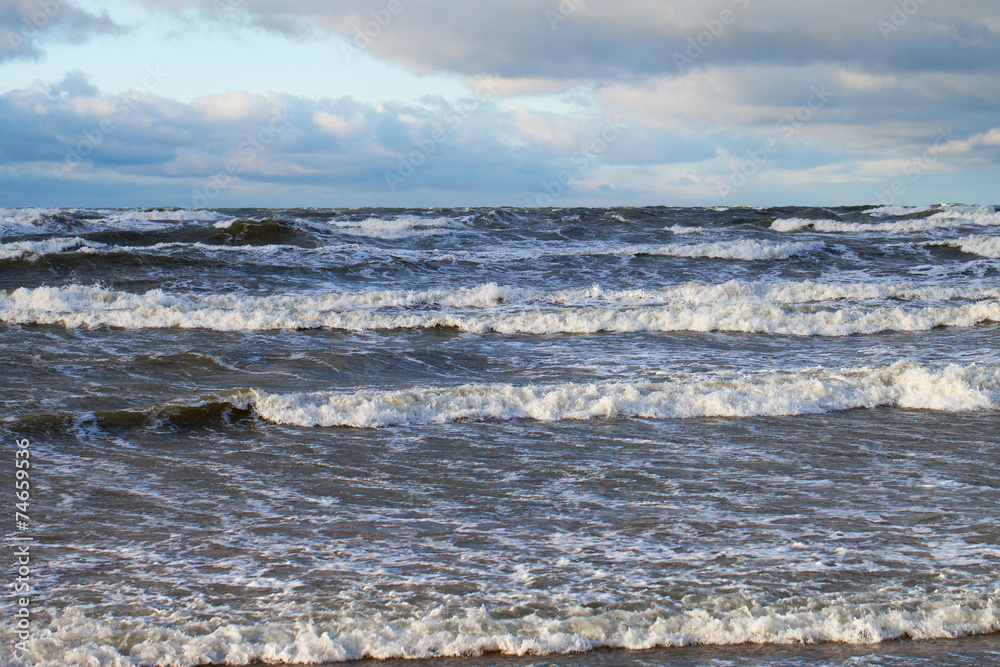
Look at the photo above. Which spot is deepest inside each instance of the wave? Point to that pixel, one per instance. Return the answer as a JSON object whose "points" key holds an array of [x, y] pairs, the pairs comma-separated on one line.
{"points": [[25, 221], [398, 227], [785, 308], [900, 211], [950, 218], [167, 214], [26, 215], [212, 411], [682, 229], [266, 232], [748, 250], [258, 254], [276, 235], [33, 249], [904, 385], [984, 246], [443, 631], [35, 221]]}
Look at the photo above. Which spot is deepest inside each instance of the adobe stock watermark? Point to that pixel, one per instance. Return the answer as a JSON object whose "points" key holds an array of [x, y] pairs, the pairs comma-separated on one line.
{"points": [[583, 160], [451, 121], [901, 14], [698, 44], [21, 541], [786, 128], [32, 26], [365, 34], [91, 139], [915, 168], [566, 9], [246, 153]]}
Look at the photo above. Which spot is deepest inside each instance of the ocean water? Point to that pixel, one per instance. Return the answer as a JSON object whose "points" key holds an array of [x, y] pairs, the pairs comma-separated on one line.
{"points": [[636, 436]]}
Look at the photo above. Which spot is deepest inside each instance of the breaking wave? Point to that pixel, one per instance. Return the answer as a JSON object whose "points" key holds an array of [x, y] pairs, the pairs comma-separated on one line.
{"points": [[747, 250], [396, 228], [24, 221], [164, 215], [950, 218], [984, 246], [32, 249], [804, 308], [474, 631], [904, 385], [899, 211]]}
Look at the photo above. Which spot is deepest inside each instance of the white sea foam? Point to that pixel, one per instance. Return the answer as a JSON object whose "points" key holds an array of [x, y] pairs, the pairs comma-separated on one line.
{"points": [[34, 220], [682, 229], [883, 211], [20, 249], [143, 220], [171, 215], [203, 247], [396, 228], [66, 245], [26, 215], [790, 224], [22, 221], [785, 308], [949, 218], [73, 637], [985, 246], [747, 249], [903, 384]]}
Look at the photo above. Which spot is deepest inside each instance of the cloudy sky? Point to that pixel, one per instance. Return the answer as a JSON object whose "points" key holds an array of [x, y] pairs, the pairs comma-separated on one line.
{"points": [[215, 103]]}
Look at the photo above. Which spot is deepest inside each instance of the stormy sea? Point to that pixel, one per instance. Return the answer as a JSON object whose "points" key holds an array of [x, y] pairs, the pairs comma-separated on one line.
{"points": [[466, 437]]}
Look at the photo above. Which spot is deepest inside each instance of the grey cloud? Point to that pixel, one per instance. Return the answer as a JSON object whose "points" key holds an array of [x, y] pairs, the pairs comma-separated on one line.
{"points": [[632, 39], [74, 132], [26, 24], [331, 151]]}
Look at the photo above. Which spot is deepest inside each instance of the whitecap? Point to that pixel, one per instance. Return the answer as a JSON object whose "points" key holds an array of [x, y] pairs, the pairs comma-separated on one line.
{"points": [[953, 217], [164, 215], [25, 221], [746, 250], [76, 637], [399, 227], [804, 308], [985, 246], [21, 249], [904, 384], [895, 211]]}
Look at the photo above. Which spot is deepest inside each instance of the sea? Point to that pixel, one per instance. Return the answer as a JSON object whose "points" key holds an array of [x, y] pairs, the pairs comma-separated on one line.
{"points": [[459, 437]]}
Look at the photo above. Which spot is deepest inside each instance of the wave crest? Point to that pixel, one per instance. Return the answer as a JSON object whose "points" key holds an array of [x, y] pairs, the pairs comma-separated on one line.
{"points": [[785, 308], [462, 632], [907, 221], [904, 385], [977, 244]]}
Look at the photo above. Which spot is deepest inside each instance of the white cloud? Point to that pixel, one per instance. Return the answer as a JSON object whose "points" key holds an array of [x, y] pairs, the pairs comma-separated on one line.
{"points": [[754, 73], [229, 106]]}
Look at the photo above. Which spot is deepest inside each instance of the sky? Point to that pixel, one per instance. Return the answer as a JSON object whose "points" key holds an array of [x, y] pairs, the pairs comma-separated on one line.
{"points": [[356, 103]]}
